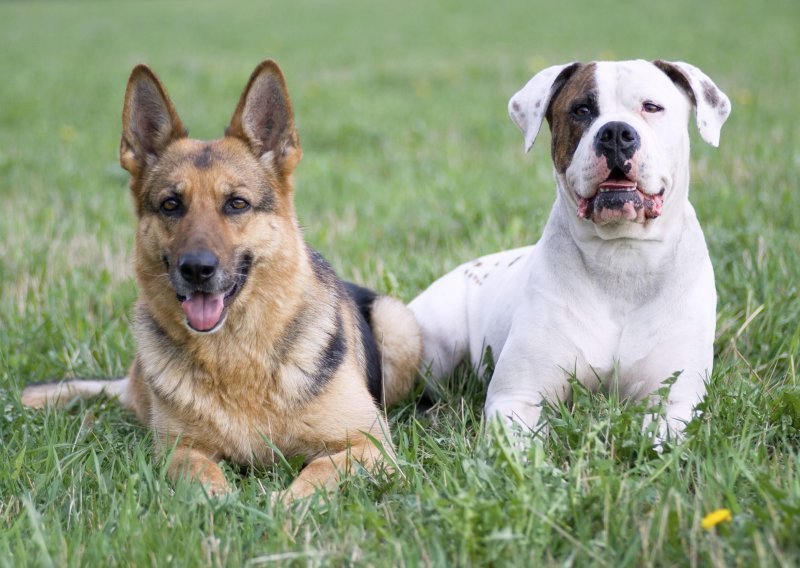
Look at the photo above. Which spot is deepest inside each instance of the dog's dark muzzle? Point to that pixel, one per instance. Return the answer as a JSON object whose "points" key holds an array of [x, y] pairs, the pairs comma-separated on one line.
{"points": [[618, 142], [198, 267], [205, 289]]}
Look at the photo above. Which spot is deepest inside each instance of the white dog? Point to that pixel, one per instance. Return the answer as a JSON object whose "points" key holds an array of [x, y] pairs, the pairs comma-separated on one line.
{"points": [[620, 287]]}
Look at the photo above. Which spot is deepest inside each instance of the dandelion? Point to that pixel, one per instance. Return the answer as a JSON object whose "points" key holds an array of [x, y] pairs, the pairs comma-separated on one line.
{"points": [[716, 517]]}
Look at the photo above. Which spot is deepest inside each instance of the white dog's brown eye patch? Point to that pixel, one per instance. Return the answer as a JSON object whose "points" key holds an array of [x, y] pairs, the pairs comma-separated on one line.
{"points": [[566, 126]]}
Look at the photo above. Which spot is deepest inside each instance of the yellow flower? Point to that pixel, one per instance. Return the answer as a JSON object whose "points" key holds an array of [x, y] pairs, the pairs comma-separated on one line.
{"points": [[716, 517]]}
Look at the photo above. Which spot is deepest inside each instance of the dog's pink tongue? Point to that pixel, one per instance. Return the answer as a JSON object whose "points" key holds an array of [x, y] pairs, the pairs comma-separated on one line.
{"points": [[203, 311]]}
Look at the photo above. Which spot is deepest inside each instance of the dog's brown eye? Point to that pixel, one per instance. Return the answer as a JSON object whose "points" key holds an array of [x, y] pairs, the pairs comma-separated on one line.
{"points": [[581, 111], [237, 205], [170, 206], [651, 107]]}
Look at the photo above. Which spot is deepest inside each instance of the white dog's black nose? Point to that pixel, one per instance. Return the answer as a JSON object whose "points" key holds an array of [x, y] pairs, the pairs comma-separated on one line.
{"points": [[617, 141], [198, 266]]}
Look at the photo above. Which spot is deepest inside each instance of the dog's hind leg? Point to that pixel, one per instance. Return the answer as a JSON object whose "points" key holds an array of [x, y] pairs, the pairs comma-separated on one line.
{"points": [[441, 311], [399, 341]]}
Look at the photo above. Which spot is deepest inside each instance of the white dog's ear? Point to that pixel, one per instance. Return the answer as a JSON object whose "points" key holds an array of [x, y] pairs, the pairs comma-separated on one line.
{"points": [[528, 107], [712, 107]]}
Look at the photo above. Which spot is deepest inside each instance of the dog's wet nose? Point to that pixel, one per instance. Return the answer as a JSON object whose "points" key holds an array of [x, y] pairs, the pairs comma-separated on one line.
{"points": [[198, 267], [617, 141]]}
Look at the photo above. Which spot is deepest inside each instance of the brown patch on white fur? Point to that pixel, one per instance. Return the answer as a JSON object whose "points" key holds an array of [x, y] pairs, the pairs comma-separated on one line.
{"points": [[282, 368], [575, 86]]}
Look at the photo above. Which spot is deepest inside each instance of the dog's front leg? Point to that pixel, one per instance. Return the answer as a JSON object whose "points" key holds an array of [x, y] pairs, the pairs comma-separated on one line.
{"points": [[674, 351], [194, 465], [687, 391], [523, 378], [325, 472]]}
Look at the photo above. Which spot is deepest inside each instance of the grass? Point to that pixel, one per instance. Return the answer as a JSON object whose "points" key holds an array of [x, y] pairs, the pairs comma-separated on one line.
{"points": [[411, 166]]}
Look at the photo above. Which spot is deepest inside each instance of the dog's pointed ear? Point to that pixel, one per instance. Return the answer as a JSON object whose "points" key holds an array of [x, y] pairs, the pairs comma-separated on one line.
{"points": [[528, 107], [149, 121], [265, 121], [711, 106]]}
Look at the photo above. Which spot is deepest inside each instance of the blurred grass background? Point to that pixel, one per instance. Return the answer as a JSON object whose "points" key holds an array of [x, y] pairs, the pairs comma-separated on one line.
{"points": [[411, 166]]}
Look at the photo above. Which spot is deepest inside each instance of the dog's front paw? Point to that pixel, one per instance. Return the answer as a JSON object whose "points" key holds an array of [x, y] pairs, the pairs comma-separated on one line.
{"points": [[217, 489], [515, 442], [664, 431]]}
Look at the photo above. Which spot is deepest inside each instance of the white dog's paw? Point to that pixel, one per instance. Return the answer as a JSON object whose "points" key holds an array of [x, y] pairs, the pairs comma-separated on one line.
{"points": [[666, 431], [516, 442]]}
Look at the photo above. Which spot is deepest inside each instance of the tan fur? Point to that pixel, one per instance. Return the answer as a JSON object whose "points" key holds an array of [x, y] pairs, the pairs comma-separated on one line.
{"points": [[397, 334], [262, 379]]}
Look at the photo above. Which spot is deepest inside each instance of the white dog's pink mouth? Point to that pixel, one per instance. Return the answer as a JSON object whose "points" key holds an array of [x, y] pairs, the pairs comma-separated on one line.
{"points": [[618, 200]]}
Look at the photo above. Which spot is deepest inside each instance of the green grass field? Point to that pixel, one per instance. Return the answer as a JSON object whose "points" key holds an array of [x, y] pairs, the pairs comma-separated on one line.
{"points": [[411, 166]]}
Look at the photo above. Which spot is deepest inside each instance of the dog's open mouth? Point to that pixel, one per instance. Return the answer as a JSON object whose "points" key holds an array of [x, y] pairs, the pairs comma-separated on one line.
{"points": [[619, 199], [206, 311]]}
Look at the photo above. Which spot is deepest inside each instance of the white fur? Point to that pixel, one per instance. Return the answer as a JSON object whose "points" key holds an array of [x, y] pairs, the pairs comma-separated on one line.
{"points": [[627, 300]]}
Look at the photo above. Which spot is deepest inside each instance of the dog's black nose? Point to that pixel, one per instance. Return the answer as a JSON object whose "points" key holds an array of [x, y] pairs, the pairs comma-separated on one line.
{"points": [[198, 266], [617, 141]]}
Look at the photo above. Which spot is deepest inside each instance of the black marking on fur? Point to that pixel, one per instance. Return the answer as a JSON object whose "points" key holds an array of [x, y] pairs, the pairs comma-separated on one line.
{"points": [[474, 277], [710, 93], [364, 299], [322, 270], [330, 359], [202, 160], [292, 332], [266, 201], [515, 260], [679, 78]]}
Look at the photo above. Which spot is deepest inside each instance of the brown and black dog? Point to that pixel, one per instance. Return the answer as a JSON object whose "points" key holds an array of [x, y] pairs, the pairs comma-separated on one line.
{"points": [[247, 340]]}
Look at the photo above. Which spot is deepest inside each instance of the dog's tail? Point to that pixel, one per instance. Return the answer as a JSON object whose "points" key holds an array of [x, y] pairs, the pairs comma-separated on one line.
{"points": [[55, 394], [398, 339]]}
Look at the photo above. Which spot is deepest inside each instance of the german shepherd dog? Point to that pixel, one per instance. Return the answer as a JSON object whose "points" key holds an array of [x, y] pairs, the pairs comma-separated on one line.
{"points": [[247, 341]]}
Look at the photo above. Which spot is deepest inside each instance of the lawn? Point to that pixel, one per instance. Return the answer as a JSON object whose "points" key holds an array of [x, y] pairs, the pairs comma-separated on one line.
{"points": [[410, 167]]}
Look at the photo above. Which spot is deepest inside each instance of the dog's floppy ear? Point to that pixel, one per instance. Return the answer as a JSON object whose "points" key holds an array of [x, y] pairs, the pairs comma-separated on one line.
{"points": [[265, 120], [149, 121], [528, 107], [711, 105]]}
